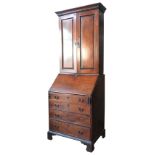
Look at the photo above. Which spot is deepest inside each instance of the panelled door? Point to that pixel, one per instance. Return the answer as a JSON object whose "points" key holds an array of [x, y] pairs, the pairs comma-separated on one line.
{"points": [[68, 39], [87, 42]]}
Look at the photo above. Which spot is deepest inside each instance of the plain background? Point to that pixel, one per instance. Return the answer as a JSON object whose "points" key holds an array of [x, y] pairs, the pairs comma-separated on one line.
{"points": [[29, 62]]}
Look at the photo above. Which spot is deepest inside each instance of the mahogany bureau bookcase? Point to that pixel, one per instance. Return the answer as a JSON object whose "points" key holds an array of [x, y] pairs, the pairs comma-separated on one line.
{"points": [[77, 96]]}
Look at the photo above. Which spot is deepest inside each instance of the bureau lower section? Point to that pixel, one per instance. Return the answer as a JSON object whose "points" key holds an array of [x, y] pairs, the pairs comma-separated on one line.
{"points": [[75, 116], [70, 114]]}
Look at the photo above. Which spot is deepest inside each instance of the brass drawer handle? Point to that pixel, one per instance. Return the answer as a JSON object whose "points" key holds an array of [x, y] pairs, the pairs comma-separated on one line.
{"points": [[81, 109], [57, 115], [49, 96], [56, 97], [57, 105], [56, 126], [80, 132]]}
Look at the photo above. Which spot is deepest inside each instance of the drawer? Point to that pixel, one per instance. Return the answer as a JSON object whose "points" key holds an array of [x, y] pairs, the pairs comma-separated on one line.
{"points": [[79, 108], [70, 117], [69, 98], [70, 129], [59, 97]]}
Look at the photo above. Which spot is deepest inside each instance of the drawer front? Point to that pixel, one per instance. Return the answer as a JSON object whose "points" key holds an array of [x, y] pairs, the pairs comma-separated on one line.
{"points": [[70, 129], [70, 117], [59, 105], [69, 98], [79, 108]]}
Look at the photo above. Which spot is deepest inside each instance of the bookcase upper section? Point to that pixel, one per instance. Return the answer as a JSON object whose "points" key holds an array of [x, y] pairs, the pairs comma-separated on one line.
{"points": [[81, 32]]}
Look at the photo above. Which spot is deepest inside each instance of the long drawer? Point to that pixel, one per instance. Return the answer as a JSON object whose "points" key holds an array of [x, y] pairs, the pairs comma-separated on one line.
{"points": [[70, 117], [69, 98], [80, 108], [70, 129]]}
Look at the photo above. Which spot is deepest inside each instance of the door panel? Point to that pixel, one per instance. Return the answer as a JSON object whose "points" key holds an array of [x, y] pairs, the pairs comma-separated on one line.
{"points": [[68, 36], [87, 38], [67, 40], [87, 42]]}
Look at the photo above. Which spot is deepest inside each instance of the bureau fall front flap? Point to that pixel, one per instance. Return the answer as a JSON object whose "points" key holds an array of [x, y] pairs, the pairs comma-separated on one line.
{"points": [[74, 84]]}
